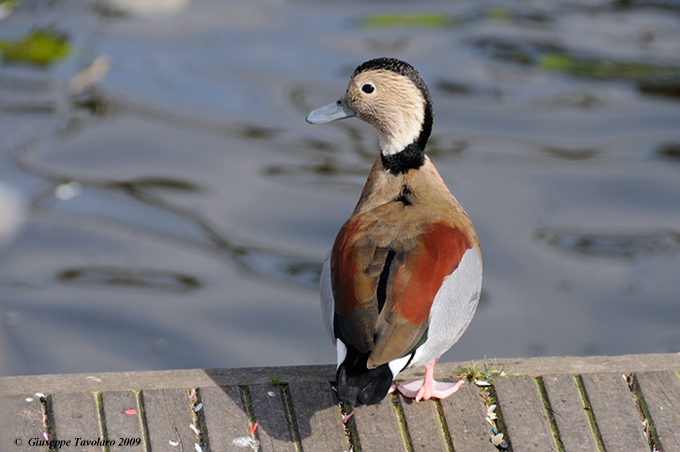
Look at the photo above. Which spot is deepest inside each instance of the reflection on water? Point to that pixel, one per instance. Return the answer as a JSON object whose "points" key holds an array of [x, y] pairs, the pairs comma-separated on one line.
{"points": [[180, 207], [250, 257], [496, 14], [653, 78], [570, 154], [131, 278], [660, 88], [610, 244], [669, 151], [518, 52], [41, 47]]}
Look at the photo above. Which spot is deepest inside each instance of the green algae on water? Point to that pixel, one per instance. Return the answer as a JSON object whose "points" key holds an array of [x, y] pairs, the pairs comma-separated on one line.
{"points": [[39, 47]]}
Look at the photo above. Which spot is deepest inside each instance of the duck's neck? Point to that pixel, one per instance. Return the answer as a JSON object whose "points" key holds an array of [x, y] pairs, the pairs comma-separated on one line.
{"points": [[403, 151]]}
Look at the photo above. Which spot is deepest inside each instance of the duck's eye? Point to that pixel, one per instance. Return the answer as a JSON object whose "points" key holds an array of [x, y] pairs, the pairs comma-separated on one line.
{"points": [[368, 88]]}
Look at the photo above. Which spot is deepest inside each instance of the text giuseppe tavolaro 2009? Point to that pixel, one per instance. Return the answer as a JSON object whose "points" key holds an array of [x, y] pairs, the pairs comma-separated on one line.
{"points": [[79, 442]]}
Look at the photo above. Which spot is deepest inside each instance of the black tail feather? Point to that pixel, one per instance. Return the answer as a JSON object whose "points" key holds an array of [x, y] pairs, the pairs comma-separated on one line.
{"points": [[359, 385]]}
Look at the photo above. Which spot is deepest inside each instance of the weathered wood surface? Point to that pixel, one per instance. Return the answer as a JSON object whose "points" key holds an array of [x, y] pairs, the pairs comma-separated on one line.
{"points": [[465, 415], [270, 412], [23, 418], [599, 404], [378, 427], [168, 417], [524, 414], [423, 425], [118, 423], [615, 412], [569, 413], [318, 417], [661, 393], [225, 416], [77, 416]]}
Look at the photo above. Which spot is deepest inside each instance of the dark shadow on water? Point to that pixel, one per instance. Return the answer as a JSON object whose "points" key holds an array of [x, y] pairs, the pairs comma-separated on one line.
{"points": [[571, 154], [655, 78], [669, 152], [663, 88], [123, 277], [613, 244]]}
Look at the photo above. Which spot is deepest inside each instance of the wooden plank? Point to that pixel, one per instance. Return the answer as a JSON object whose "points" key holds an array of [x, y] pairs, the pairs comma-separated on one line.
{"points": [[161, 379], [203, 378], [465, 414], [423, 425], [661, 391], [225, 417], [168, 416], [615, 413], [123, 420], [22, 419], [585, 364], [524, 414], [318, 417], [76, 418], [270, 415], [569, 413], [378, 427]]}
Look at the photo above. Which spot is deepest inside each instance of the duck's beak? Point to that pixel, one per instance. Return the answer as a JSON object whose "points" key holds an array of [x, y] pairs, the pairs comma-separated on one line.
{"points": [[337, 110]]}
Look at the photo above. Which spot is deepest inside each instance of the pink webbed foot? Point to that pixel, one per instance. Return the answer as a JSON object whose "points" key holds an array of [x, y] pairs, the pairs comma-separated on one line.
{"points": [[427, 388], [345, 417], [420, 391]]}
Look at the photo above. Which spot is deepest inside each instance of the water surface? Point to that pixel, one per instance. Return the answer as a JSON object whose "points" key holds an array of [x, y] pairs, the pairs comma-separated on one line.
{"points": [[179, 207]]}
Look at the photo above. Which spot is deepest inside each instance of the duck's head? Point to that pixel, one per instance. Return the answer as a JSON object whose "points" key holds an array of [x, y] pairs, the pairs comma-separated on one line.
{"points": [[392, 96]]}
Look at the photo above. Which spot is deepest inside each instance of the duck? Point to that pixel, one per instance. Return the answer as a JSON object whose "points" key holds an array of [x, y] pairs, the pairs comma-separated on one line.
{"points": [[403, 278]]}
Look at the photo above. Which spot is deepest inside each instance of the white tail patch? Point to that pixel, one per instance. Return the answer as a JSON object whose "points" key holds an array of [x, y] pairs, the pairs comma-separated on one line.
{"points": [[342, 351], [397, 365]]}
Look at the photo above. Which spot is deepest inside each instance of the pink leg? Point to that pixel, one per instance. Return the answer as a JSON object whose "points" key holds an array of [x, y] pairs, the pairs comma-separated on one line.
{"points": [[427, 388], [345, 417]]}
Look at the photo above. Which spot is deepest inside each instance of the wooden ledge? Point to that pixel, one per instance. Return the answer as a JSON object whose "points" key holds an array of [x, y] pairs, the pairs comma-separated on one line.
{"points": [[187, 378], [558, 404]]}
